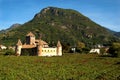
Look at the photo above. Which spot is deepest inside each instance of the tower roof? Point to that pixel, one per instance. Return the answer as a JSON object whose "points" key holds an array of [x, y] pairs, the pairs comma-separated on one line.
{"points": [[19, 42], [30, 34], [40, 42], [59, 44]]}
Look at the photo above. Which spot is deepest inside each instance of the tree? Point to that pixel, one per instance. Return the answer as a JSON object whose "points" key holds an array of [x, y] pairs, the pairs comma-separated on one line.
{"points": [[66, 48], [80, 46], [115, 50]]}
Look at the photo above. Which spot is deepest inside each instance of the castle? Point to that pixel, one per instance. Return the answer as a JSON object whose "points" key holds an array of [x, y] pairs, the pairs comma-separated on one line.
{"points": [[37, 47]]}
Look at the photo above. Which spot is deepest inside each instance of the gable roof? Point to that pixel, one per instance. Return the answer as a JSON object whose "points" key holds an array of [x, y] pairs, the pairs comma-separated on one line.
{"points": [[43, 42], [28, 46]]}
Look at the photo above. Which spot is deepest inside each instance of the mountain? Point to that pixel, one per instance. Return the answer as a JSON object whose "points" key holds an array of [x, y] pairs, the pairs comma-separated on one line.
{"points": [[14, 26], [66, 25], [117, 34], [11, 27]]}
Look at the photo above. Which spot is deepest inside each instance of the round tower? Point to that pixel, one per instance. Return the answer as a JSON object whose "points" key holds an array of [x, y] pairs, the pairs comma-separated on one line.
{"points": [[39, 48], [18, 48], [59, 49]]}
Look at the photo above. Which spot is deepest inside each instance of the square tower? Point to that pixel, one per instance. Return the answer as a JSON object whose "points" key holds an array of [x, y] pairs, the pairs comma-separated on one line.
{"points": [[30, 39]]}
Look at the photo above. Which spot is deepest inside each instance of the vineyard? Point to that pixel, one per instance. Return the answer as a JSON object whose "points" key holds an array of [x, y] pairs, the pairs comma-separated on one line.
{"points": [[67, 67]]}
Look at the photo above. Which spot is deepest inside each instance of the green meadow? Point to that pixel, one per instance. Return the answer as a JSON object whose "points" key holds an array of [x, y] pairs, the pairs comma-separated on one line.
{"points": [[66, 67]]}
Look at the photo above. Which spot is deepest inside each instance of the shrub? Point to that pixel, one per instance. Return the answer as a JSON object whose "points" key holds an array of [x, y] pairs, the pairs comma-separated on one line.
{"points": [[9, 52], [115, 50]]}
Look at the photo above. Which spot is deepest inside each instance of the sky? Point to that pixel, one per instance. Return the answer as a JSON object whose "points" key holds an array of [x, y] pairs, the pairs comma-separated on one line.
{"points": [[103, 12]]}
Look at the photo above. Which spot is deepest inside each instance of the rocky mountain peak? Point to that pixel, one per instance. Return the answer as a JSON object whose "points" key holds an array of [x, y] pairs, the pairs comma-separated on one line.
{"points": [[15, 25], [50, 11]]}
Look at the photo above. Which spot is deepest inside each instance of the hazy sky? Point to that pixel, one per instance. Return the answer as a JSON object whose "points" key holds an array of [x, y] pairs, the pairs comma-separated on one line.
{"points": [[103, 12]]}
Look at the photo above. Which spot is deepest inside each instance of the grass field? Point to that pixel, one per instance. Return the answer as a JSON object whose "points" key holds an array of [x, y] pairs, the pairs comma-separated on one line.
{"points": [[67, 67]]}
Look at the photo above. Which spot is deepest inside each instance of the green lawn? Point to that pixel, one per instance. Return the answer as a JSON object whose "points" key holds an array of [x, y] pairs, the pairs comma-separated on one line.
{"points": [[67, 67]]}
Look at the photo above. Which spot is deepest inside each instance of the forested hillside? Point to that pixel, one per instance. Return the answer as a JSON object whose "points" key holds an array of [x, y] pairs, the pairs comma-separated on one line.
{"points": [[68, 26]]}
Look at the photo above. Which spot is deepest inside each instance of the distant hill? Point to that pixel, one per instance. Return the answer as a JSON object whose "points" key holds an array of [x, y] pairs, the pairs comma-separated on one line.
{"points": [[14, 26], [66, 25], [117, 34], [11, 27]]}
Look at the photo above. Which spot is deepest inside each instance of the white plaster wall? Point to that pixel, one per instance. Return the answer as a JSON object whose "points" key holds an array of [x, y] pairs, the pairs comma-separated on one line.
{"points": [[19, 50], [95, 51], [49, 51]]}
